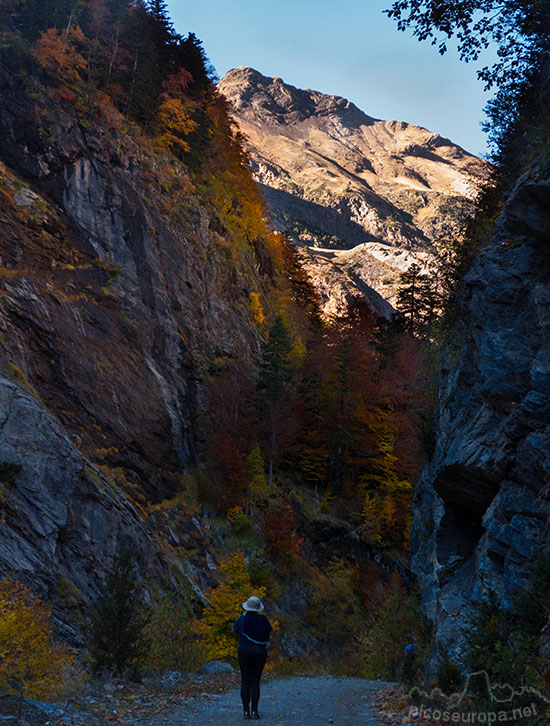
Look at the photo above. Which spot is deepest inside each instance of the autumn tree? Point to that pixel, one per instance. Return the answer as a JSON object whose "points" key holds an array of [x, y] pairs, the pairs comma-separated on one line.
{"points": [[258, 489], [282, 534], [175, 114], [225, 605], [57, 53], [336, 609], [229, 426], [31, 663]]}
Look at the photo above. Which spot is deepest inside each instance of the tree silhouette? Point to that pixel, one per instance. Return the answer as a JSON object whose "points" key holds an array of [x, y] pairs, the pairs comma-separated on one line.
{"points": [[274, 384], [519, 29], [417, 300], [117, 640]]}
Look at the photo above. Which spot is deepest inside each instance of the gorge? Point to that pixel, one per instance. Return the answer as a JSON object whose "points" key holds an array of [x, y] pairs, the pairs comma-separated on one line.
{"points": [[198, 282]]}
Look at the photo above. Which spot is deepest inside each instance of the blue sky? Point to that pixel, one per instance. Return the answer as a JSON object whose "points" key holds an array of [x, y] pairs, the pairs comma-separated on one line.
{"points": [[351, 50]]}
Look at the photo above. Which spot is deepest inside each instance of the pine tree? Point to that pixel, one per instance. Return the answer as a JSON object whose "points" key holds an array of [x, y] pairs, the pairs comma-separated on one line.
{"points": [[163, 35], [275, 373], [417, 300], [159, 11], [192, 57], [274, 384], [117, 641]]}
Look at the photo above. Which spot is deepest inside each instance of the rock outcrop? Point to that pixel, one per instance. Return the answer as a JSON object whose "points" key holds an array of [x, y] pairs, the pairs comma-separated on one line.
{"points": [[115, 296], [482, 509], [116, 291], [62, 518], [364, 198]]}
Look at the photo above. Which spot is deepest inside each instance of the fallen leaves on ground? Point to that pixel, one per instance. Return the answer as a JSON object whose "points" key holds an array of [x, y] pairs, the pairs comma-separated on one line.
{"points": [[393, 709], [125, 704]]}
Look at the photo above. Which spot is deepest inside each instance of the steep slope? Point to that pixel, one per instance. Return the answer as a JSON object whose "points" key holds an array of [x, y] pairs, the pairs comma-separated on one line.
{"points": [[482, 508], [116, 293], [377, 194]]}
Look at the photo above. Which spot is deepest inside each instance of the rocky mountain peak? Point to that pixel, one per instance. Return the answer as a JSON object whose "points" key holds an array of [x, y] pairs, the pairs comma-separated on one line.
{"points": [[362, 198], [252, 94]]}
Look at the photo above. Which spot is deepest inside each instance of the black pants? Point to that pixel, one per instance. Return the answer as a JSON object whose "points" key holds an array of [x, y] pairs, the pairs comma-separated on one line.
{"points": [[251, 665]]}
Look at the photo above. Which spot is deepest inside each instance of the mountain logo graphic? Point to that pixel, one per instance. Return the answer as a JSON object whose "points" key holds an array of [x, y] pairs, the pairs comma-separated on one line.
{"points": [[478, 683]]}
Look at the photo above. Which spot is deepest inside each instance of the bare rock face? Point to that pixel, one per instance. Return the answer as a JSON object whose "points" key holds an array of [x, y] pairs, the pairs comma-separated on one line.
{"points": [[482, 509], [115, 294], [62, 519], [338, 180], [115, 289]]}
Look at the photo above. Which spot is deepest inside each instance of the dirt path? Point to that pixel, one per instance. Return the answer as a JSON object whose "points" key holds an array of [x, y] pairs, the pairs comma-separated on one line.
{"points": [[284, 702]]}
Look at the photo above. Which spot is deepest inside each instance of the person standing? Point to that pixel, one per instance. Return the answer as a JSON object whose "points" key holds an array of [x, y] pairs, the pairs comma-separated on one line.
{"points": [[254, 631]]}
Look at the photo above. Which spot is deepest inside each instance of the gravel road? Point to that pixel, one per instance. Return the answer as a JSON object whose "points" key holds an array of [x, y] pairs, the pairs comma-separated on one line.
{"points": [[285, 702]]}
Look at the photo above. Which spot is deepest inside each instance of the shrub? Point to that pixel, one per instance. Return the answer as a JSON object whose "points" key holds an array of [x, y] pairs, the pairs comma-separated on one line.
{"points": [[238, 519], [170, 639], [505, 643], [383, 643], [31, 663], [449, 677]]}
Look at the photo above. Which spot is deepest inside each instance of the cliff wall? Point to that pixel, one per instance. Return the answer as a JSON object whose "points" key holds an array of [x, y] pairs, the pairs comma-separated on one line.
{"points": [[483, 502], [117, 291]]}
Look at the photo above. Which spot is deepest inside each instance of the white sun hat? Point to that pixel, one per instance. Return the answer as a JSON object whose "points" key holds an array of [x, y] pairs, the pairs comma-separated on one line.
{"points": [[253, 604]]}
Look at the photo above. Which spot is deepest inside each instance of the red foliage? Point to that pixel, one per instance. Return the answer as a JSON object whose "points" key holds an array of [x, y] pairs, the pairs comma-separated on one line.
{"points": [[280, 528], [231, 424]]}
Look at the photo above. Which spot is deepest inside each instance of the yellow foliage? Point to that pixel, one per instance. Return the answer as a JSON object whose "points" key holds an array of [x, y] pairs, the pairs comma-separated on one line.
{"points": [[238, 519], [30, 662], [256, 309], [371, 521], [335, 609], [298, 352], [258, 488], [176, 123], [225, 607]]}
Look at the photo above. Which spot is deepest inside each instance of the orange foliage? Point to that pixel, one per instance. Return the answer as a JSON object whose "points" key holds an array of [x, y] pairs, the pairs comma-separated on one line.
{"points": [[57, 53], [175, 113], [177, 124], [235, 194], [231, 425]]}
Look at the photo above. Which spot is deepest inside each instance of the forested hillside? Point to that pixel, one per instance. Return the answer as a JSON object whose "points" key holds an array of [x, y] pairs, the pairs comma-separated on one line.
{"points": [[169, 385]]}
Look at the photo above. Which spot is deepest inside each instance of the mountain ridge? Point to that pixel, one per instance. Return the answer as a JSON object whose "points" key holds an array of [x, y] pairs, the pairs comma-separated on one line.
{"points": [[337, 178]]}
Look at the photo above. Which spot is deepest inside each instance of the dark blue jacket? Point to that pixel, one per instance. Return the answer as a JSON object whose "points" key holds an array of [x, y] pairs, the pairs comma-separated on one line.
{"points": [[255, 626]]}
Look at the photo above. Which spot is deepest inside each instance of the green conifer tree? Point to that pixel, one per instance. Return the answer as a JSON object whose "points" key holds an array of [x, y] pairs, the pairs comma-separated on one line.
{"points": [[117, 639], [417, 300], [274, 383]]}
